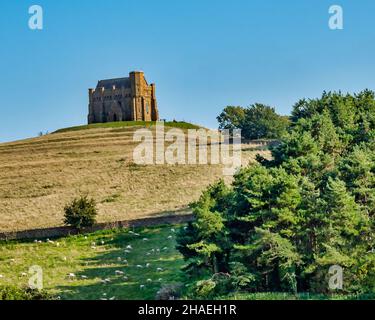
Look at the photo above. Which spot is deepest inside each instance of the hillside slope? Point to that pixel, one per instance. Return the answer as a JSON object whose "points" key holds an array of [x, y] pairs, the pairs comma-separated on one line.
{"points": [[39, 176]]}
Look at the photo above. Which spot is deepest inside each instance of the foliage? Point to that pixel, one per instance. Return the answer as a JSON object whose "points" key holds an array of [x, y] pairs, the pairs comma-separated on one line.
{"points": [[231, 118], [81, 213], [256, 122], [15, 293], [285, 221]]}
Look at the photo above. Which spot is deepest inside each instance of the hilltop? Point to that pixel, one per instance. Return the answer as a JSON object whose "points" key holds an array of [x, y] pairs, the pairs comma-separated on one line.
{"points": [[39, 176]]}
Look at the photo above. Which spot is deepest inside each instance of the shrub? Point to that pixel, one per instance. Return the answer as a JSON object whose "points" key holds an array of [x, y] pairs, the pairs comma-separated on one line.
{"points": [[14, 293], [81, 213], [205, 289]]}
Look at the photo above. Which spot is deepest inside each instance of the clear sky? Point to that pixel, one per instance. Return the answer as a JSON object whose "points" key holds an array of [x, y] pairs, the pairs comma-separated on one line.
{"points": [[202, 55]]}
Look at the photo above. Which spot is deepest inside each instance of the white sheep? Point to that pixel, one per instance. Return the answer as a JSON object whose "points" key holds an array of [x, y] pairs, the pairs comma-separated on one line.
{"points": [[159, 269], [142, 286], [149, 280], [71, 275], [129, 247], [119, 272], [148, 265], [139, 266]]}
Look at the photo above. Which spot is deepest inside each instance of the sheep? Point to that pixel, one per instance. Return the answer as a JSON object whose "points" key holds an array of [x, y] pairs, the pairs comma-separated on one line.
{"points": [[1, 276], [148, 253], [149, 280], [71, 275], [142, 286], [84, 277], [102, 242], [145, 239], [23, 274], [159, 269], [148, 265], [127, 251], [112, 298], [173, 230], [119, 272], [139, 266], [165, 248], [125, 261], [125, 278], [118, 258], [160, 279], [170, 237], [129, 247]]}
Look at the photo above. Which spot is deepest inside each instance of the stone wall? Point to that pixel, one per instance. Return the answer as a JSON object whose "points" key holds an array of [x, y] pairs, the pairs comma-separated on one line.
{"points": [[57, 232]]}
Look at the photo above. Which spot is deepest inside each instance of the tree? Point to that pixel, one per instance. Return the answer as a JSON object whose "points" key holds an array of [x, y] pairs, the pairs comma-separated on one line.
{"points": [[285, 221], [81, 213], [262, 121], [231, 118]]}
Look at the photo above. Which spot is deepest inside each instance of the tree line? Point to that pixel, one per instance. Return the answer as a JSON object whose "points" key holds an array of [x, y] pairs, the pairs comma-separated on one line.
{"points": [[284, 222], [258, 121]]}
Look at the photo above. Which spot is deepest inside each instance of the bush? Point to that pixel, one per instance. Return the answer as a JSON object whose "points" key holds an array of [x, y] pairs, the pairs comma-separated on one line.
{"points": [[14, 293], [81, 213]]}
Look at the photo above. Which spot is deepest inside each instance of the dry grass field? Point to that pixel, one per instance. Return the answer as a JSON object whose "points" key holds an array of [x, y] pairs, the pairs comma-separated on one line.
{"points": [[39, 176]]}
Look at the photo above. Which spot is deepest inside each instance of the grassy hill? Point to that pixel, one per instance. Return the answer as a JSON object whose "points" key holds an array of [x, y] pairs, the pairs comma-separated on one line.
{"points": [[103, 265], [39, 176], [121, 124]]}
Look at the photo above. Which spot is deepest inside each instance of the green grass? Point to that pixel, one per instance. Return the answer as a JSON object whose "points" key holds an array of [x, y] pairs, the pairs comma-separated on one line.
{"points": [[300, 296], [121, 124], [75, 254]]}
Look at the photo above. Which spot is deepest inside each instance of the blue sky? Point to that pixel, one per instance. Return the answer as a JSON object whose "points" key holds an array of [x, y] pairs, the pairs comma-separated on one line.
{"points": [[202, 55]]}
